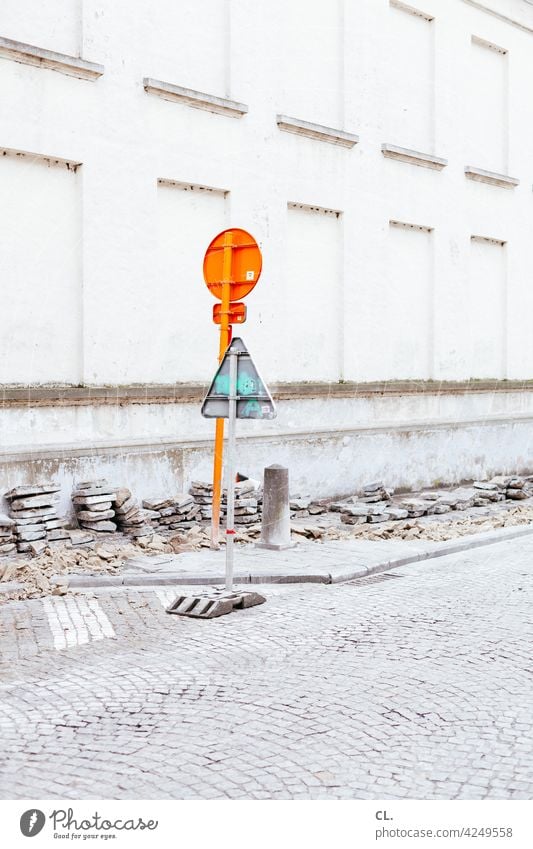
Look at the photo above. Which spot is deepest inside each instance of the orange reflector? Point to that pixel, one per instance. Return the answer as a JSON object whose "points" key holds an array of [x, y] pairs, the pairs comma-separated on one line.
{"points": [[237, 313]]}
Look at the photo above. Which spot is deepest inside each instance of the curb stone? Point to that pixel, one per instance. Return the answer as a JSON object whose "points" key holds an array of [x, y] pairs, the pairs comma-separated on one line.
{"points": [[438, 549]]}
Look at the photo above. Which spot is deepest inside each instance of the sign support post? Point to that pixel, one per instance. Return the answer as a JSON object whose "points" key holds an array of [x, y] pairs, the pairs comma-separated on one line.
{"points": [[219, 426], [230, 467]]}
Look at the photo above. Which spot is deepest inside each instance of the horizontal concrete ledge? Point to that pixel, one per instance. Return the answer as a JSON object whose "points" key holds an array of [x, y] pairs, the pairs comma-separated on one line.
{"points": [[193, 393], [492, 178], [196, 99], [28, 54], [482, 7], [155, 445], [51, 161], [413, 157], [316, 131]]}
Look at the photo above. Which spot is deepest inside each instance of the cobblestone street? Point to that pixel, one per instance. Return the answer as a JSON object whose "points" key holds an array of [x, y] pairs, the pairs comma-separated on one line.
{"points": [[415, 683]]}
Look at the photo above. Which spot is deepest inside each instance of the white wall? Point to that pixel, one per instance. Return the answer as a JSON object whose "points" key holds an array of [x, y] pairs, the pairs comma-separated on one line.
{"points": [[343, 295]]}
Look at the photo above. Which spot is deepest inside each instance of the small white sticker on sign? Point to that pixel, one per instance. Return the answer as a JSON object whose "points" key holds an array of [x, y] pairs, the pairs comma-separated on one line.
{"points": [[249, 275]]}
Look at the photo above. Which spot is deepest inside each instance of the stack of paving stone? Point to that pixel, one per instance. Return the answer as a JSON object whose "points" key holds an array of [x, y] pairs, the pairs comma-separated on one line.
{"points": [[248, 502], [36, 520], [94, 505], [176, 512], [302, 506], [129, 514], [202, 494], [8, 539], [512, 487]]}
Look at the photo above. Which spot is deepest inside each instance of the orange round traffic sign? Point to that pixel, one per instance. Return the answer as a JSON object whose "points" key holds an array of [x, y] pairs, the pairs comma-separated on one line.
{"points": [[233, 258]]}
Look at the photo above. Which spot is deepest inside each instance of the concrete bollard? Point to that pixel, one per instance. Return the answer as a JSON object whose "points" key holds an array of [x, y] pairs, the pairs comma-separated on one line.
{"points": [[276, 525]]}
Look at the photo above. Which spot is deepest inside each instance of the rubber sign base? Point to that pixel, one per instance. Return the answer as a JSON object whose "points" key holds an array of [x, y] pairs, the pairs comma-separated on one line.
{"points": [[209, 605]]}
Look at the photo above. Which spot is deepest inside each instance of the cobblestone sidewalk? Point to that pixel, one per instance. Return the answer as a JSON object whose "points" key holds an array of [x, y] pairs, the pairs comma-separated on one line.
{"points": [[411, 684]]}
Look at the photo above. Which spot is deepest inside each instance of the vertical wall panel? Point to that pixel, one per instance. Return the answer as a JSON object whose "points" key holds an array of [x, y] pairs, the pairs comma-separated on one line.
{"points": [[51, 24], [403, 341], [410, 66], [306, 56], [190, 47], [487, 308], [487, 136], [185, 345], [312, 338], [40, 274]]}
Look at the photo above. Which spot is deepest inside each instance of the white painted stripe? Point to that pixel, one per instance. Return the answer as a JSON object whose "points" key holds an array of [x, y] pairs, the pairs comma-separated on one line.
{"points": [[76, 621], [55, 626], [103, 621]]}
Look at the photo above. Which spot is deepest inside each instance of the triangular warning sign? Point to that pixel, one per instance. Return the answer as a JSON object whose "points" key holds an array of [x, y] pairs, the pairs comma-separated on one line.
{"points": [[253, 398]]}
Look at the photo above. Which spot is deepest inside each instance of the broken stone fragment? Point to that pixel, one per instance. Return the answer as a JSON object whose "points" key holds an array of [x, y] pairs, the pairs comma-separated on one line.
{"points": [[369, 488], [396, 513], [35, 527], [91, 484], [100, 527], [59, 533], [6, 521], [339, 506], [516, 494], [246, 520], [357, 510], [80, 537], [346, 519], [122, 494], [37, 548], [94, 516], [103, 507], [502, 481], [441, 508], [27, 491], [94, 490], [141, 531], [485, 485], [30, 536], [127, 507], [53, 524], [34, 501], [85, 501], [516, 483]]}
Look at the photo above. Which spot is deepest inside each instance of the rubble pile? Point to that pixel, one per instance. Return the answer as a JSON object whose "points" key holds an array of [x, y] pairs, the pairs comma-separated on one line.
{"points": [[376, 504], [33, 510], [176, 512], [94, 505]]}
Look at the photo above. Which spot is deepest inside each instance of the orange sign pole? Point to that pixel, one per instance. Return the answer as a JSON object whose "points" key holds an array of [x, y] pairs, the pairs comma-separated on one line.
{"points": [[232, 267], [225, 338]]}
